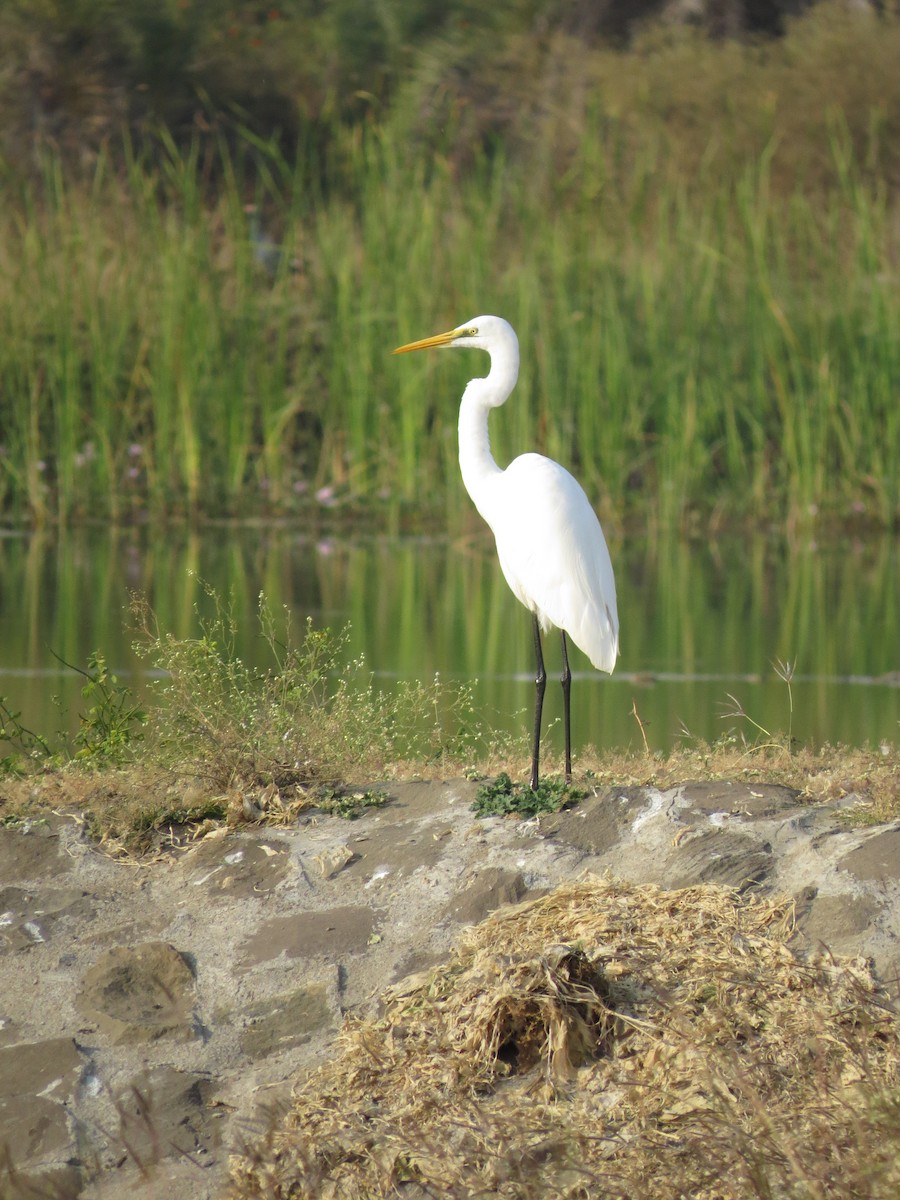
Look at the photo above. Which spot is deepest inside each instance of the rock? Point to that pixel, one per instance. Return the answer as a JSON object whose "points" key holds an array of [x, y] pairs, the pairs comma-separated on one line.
{"points": [[37, 1082], [152, 1014], [222, 868], [486, 890], [840, 921], [159, 1136], [35, 853], [877, 859], [330, 934], [28, 916], [139, 993], [733, 860], [598, 824], [284, 1021], [169, 1113]]}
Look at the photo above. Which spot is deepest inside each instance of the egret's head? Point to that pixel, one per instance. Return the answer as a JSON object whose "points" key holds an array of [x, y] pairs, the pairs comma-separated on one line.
{"points": [[481, 333]]}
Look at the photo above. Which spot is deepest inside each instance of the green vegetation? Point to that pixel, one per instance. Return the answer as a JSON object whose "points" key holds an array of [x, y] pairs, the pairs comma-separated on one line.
{"points": [[504, 797], [223, 740], [697, 243], [106, 735], [309, 718], [349, 805], [112, 724], [27, 746]]}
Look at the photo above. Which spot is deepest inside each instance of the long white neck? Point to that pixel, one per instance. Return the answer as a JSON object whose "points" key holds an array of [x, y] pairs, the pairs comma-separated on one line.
{"points": [[481, 395]]}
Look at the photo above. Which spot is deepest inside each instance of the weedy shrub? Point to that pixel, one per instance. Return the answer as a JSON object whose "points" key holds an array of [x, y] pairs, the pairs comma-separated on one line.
{"points": [[27, 746], [114, 722], [309, 718], [107, 735]]}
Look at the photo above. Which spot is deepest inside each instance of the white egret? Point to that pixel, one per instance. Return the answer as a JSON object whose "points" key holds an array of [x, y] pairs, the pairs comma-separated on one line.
{"points": [[551, 548]]}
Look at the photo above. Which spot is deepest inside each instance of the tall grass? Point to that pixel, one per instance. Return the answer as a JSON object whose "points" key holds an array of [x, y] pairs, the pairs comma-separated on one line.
{"points": [[700, 346]]}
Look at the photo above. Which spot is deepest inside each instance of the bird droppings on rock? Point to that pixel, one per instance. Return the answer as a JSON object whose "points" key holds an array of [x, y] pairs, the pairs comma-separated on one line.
{"points": [[257, 867]]}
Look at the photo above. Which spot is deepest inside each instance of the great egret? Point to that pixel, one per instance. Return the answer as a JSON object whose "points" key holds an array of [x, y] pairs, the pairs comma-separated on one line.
{"points": [[551, 548]]}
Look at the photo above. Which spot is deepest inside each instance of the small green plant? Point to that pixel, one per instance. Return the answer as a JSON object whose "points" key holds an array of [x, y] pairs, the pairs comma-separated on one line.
{"points": [[108, 730], [16, 820], [28, 747], [113, 722], [503, 797], [349, 805]]}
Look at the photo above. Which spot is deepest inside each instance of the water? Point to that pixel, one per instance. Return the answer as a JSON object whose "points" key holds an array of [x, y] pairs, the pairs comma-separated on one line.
{"points": [[701, 622]]}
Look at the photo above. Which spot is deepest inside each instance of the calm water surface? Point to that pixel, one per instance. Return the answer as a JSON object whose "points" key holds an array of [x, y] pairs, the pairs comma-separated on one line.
{"points": [[700, 622]]}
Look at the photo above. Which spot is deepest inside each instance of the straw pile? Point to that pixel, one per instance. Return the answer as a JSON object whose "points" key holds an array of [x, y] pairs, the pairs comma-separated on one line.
{"points": [[606, 1040]]}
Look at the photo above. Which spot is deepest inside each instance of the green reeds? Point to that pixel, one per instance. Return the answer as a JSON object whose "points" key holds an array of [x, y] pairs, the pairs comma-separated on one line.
{"points": [[697, 351]]}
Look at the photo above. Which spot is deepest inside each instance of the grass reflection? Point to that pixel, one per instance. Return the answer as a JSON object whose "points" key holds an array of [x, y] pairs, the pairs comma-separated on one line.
{"points": [[700, 621]]}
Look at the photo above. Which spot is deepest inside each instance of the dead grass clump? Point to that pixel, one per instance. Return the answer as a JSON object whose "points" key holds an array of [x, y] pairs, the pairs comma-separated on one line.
{"points": [[606, 1040]]}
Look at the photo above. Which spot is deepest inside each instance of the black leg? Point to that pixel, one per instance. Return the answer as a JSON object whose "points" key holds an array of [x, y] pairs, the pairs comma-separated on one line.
{"points": [[567, 691], [540, 683]]}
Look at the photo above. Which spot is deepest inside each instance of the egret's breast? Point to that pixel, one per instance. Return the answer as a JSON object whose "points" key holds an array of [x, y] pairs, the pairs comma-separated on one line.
{"points": [[553, 553]]}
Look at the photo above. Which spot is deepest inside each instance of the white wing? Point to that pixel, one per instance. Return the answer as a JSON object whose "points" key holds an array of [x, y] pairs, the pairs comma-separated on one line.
{"points": [[554, 555]]}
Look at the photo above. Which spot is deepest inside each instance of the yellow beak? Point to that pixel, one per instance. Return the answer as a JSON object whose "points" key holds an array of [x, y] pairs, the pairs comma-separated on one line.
{"points": [[438, 339]]}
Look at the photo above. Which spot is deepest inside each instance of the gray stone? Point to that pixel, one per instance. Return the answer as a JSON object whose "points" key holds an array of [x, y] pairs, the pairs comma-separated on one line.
{"points": [[169, 1113], [28, 918], [225, 869], [718, 856], [838, 921], [597, 823], [328, 934], [32, 851], [877, 859], [182, 1049], [37, 1081], [740, 799], [406, 834], [281, 1022], [486, 890], [139, 993], [50, 1183]]}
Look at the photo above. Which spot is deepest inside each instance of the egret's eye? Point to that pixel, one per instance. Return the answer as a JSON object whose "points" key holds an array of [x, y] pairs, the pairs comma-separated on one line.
{"points": [[473, 332]]}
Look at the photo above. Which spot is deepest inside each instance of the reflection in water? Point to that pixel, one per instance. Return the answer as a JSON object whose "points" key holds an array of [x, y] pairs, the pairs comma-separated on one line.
{"points": [[699, 621]]}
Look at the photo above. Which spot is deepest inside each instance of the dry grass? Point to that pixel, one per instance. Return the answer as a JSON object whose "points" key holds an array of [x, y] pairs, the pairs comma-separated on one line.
{"points": [[606, 1040], [138, 809], [824, 774]]}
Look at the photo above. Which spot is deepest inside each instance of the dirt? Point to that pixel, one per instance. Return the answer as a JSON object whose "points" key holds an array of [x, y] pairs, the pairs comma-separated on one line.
{"points": [[154, 1015]]}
